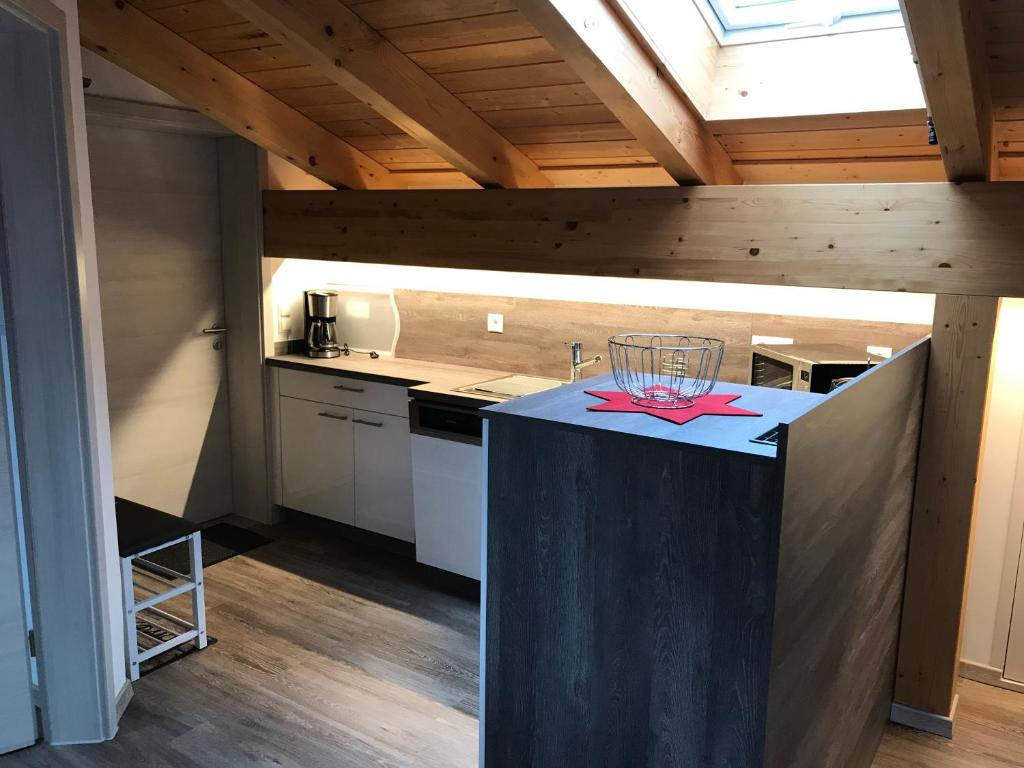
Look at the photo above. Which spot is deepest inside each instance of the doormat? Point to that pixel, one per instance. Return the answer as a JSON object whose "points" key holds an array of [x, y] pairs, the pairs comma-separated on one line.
{"points": [[220, 542]]}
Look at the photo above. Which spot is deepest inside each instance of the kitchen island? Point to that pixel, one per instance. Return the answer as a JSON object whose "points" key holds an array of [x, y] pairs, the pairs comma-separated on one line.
{"points": [[679, 595]]}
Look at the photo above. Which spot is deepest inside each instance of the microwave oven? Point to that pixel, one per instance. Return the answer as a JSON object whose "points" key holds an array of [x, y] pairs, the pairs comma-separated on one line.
{"points": [[808, 367]]}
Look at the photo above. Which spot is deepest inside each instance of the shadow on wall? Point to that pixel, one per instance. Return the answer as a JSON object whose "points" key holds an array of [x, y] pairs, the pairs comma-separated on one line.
{"points": [[158, 249]]}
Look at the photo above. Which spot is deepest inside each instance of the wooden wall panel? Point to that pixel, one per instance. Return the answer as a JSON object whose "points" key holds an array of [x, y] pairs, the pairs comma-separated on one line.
{"points": [[842, 561], [444, 327], [928, 238], [947, 473]]}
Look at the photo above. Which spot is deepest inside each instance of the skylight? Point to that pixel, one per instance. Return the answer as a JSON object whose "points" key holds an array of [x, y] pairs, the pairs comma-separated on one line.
{"points": [[742, 21]]}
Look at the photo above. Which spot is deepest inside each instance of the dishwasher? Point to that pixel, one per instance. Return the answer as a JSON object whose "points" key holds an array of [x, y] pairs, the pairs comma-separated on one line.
{"points": [[447, 477]]}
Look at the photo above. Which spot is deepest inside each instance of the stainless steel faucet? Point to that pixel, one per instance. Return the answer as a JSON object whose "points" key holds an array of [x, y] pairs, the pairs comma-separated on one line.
{"points": [[578, 363]]}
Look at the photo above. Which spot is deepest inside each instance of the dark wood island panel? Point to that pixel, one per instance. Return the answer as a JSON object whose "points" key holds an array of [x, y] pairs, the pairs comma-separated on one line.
{"points": [[678, 596], [639, 609], [849, 489]]}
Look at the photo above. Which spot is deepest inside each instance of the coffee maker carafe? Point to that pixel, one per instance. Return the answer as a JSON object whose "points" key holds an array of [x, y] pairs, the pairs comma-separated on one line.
{"points": [[321, 326]]}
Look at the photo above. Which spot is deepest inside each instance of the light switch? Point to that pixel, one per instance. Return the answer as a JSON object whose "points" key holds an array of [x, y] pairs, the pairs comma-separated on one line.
{"points": [[495, 323]]}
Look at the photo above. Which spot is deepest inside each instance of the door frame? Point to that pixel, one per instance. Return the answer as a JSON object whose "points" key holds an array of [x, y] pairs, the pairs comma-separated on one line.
{"points": [[56, 356]]}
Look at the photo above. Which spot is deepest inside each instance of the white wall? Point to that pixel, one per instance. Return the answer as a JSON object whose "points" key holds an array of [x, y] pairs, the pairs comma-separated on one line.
{"points": [[997, 533]]}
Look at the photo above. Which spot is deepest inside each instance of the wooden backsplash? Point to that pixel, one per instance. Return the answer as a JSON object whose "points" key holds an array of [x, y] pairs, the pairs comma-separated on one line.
{"points": [[451, 328]]}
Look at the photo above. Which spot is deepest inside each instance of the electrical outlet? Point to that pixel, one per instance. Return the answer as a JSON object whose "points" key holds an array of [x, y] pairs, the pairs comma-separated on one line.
{"points": [[495, 323]]}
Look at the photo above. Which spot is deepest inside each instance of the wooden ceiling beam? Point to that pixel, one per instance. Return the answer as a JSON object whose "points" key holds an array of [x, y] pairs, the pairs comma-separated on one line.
{"points": [[927, 238], [341, 46], [948, 41], [129, 38], [599, 45]]}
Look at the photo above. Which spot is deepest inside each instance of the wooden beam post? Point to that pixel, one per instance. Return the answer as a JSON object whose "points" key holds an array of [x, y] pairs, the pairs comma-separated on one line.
{"points": [[147, 49], [948, 41], [940, 536], [599, 45], [344, 48]]}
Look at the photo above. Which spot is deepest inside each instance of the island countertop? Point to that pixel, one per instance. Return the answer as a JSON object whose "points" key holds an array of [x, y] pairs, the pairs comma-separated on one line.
{"points": [[568, 406]]}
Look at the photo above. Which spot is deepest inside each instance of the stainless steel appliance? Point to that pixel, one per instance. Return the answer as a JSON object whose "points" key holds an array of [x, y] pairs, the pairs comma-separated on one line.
{"points": [[321, 324], [577, 363], [808, 367], [508, 387]]}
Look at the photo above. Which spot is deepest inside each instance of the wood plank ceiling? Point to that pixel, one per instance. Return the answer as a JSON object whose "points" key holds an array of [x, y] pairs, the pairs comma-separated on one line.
{"points": [[1004, 43], [494, 61]]}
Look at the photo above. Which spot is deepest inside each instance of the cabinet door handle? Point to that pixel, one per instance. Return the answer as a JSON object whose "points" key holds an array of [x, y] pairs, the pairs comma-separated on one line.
{"points": [[327, 415], [349, 389], [368, 423]]}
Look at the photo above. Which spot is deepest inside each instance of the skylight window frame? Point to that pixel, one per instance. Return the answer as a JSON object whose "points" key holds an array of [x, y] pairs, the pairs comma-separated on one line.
{"points": [[862, 22]]}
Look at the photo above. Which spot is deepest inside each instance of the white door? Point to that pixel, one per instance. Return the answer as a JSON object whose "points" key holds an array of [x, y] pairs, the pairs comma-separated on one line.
{"points": [[17, 719], [316, 459], [158, 245], [1013, 666], [384, 475], [1015, 645]]}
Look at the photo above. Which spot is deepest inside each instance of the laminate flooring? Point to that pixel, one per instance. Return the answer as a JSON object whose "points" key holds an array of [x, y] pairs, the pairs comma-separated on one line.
{"points": [[328, 655], [331, 655]]}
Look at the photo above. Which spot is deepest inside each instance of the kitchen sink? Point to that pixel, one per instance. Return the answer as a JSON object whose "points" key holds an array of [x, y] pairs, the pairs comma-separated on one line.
{"points": [[508, 387]]}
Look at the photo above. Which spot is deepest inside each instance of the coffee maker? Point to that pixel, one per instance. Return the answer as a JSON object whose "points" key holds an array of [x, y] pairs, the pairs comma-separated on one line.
{"points": [[321, 324]]}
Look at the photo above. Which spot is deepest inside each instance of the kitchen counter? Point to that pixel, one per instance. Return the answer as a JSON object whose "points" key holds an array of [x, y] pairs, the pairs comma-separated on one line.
{"points": [[675, 595], [425, 380], [568, 406]]}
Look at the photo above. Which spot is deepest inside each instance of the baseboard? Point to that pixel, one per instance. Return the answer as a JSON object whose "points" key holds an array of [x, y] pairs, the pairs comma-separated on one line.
{"points": [[982, 673], [929, 722], [124, 697]]}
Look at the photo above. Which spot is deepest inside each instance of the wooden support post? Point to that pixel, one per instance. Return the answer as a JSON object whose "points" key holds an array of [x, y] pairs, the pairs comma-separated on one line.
{"points": [[940, 536]]}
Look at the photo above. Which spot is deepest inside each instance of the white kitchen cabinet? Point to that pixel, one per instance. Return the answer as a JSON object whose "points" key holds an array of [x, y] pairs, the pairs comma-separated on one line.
{"points": [[383, 475], [317, 459], [352, 393]]}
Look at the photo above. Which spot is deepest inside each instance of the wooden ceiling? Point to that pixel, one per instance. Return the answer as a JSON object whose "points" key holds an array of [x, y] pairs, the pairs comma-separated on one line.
{"points": [[467, 93], [1004, 48]]}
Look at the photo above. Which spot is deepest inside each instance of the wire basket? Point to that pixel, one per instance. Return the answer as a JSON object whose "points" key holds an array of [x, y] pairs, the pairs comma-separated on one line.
{"points": [[665, 370]]}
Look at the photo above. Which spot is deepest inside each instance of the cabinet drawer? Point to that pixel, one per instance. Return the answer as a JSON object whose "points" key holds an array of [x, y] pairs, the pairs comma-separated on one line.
{"points": [[352, 393]]}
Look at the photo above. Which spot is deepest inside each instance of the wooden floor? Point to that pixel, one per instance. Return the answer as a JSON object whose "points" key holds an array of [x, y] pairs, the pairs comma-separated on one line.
{"points": [[328, 657]]}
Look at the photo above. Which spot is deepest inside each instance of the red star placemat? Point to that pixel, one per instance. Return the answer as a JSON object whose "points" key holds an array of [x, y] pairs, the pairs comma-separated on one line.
{"points": [[709, 405]]}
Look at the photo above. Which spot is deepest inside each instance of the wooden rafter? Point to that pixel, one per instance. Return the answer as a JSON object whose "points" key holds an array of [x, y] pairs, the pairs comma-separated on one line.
{"points": [[948, 41], [341, 46], [597, 43], [147, 49]]}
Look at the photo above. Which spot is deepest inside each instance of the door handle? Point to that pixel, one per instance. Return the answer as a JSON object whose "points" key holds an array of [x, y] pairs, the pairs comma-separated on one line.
{"points": [[368, 423], [215, 329], [327, 415], [349, 389]]}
